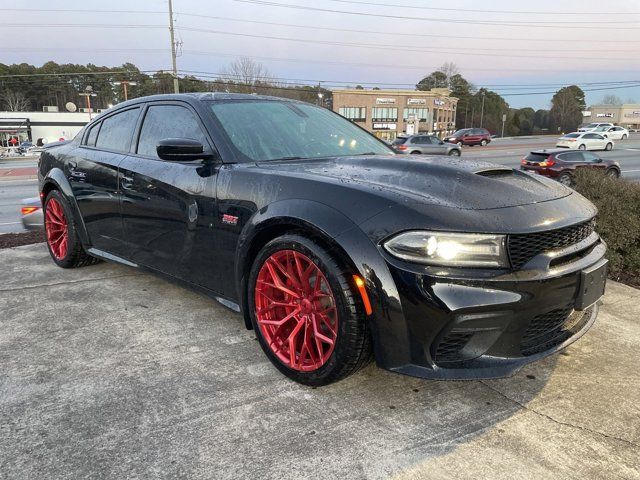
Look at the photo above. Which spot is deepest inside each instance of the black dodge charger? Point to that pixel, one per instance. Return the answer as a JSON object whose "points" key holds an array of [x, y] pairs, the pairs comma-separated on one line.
{"points": [[333, 247]]}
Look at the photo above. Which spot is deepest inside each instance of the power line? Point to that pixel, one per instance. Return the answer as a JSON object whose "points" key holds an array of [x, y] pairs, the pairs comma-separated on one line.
{"points": [[513, 12], [563, 24]]}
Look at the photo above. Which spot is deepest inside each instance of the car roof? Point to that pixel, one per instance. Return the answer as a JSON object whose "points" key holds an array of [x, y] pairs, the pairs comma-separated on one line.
{"points": [[551, 151]]}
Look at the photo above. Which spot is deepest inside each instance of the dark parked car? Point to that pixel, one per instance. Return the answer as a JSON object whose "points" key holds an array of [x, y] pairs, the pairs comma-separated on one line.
{"points": [[331, 246], [561, 164], [470, 136], [426, 145]]}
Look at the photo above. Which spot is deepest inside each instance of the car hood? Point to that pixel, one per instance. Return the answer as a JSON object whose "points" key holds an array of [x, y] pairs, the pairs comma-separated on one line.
{"points": [[443, 181]]}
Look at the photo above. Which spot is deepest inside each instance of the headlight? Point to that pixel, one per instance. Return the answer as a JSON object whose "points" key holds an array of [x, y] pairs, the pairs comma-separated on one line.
{"points": [[450, 249]]}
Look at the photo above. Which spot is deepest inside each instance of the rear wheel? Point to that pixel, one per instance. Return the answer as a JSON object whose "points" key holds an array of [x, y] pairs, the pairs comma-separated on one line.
{"points": [[483, 143], [305, 312], [61, 233], [454, 153], [416, 152], [624, 137], [609, 147], [582, 147], [565, 179]]}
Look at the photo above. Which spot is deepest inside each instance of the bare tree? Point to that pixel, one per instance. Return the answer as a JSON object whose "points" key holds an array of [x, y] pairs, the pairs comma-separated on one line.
{"points": [[450, 69], [14, 101], [247, 73], [610, 100]]}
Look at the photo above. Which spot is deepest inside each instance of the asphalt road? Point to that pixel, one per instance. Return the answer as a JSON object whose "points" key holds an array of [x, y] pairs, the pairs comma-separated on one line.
{"points": [[506, 152], [509, 152]]}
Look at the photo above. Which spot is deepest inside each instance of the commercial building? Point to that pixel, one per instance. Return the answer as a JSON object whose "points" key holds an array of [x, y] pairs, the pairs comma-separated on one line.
{"points": [[626, 115], [388, 113], [48, 126]]}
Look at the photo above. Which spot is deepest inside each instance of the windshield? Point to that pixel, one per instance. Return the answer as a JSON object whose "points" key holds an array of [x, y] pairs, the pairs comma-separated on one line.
{"points": [[271, 130], [590, 125]]}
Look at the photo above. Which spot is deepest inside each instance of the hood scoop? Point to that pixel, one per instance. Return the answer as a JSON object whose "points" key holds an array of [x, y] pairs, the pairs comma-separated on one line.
{"points": [[495, 172]]}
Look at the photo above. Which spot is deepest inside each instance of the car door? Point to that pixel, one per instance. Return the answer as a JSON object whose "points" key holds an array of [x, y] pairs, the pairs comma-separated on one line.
{"points": [[93, 174], [591, 160], [435, 146], [168, 207]]}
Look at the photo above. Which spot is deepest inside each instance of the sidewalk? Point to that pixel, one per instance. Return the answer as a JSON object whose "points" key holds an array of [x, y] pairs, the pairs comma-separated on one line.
{"points": [[109, 372]]}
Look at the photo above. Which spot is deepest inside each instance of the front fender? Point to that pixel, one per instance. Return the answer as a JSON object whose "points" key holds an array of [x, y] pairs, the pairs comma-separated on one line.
{"points": [[56, 178], [388, 327]]}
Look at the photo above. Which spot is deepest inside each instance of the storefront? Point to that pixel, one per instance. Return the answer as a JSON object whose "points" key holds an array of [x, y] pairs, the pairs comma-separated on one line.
{"points": [[47, 126], [626, 115], [389, 113]]}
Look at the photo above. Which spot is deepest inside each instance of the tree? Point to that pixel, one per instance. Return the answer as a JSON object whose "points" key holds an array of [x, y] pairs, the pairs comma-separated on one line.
{"points": [[247, 74], [15, 101], [566, 108], [541, 121], [436, 79], [359, 87], [610, 100]]}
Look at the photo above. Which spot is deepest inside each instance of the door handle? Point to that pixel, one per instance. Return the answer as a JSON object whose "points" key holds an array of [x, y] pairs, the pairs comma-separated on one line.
{"points": [[126, 183]]}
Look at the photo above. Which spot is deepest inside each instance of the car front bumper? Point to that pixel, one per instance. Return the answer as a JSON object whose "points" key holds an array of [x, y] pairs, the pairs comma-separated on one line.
{"points": [[481, 324]]}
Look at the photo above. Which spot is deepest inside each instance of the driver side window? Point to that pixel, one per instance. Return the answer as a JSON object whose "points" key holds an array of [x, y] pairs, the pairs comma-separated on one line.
{"points": [[168, 121]]}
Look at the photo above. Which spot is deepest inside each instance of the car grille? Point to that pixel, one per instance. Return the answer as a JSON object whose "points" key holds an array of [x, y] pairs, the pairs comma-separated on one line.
{"points": [[451, 345], [523, 247], [549, 329]]}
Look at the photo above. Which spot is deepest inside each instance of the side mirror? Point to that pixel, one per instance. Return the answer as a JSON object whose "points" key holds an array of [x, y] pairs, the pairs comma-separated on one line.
{"points": [[181, 150], [441, 142]]}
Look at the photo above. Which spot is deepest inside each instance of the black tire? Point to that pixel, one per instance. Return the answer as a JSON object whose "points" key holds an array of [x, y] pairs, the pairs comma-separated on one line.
{"points": [[609, 147], [624, 137], [582, 147], [483, 143], [566, 179], [352, 349], [613, 173], [454, 153], [75, 254], [416, 152]]}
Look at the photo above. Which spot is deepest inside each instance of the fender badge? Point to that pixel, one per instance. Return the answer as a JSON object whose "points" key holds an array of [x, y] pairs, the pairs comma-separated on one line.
{"points": [[229, 219]]}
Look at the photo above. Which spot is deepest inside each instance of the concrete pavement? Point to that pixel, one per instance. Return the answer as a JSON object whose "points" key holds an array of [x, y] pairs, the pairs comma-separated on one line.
{"points": [[107, 372]]}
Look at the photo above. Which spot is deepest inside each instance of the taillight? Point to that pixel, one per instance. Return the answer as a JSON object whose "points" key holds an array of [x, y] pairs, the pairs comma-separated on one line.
{"points": [[549, 162], [28, 210], [523, 162], [572, 140], [401, 147]]}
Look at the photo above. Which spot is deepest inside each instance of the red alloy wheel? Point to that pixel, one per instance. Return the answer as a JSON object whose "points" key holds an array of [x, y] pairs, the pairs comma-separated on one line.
{"points": [[57, 229], [296, 310]]}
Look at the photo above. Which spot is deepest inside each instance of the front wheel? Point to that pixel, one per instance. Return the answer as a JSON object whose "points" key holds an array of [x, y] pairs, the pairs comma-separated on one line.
{"points": [[624, 137], [454, 153], [61, 233], [613, 173], [483, 143], [306, 312], [609, 147], [582, 147]]}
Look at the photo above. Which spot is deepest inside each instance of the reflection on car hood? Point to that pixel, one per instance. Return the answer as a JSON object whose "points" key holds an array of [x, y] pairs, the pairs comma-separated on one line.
{"points": [[456, 183]]}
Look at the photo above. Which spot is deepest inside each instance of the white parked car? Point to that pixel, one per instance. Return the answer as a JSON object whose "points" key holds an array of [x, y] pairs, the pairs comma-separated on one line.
{"points": [[585, 141], [614, 133], [589, 127]]}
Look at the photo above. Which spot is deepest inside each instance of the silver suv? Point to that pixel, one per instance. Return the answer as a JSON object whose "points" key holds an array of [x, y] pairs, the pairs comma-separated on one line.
{"points": [[425, 144]]}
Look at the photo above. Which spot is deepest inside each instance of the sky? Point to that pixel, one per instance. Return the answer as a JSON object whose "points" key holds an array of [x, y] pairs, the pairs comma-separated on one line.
{"points": [[347, 42]]}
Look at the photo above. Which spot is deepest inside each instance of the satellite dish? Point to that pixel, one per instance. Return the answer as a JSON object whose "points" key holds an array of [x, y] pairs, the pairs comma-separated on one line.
{"points": [[71, 107]]}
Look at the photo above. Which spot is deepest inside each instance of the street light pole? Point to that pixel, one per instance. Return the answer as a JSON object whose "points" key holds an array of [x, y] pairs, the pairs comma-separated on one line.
{"points": [[482, 111], [176, 86], [88, 93]]}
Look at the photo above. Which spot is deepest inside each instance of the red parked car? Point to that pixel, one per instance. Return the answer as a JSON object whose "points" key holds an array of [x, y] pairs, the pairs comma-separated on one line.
{"points": [[561, 164], [470, 136]]}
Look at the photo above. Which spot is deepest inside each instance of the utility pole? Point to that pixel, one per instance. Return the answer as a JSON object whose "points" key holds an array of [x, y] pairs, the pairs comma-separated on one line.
{"points": [[176, 87], [482, 112], [88, 93], [125, 84]]}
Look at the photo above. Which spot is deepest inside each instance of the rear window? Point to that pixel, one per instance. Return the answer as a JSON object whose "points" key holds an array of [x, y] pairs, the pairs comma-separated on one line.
{"points": [[572, 135], [536, 157], [399, 141]]}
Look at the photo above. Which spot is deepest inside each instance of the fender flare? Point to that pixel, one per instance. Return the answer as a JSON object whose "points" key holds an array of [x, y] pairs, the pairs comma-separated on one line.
{"points": [[57, 178], [389, 329]]}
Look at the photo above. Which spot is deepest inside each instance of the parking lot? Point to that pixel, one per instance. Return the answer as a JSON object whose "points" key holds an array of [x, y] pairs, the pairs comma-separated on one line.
{"points": [[108, 372]]}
